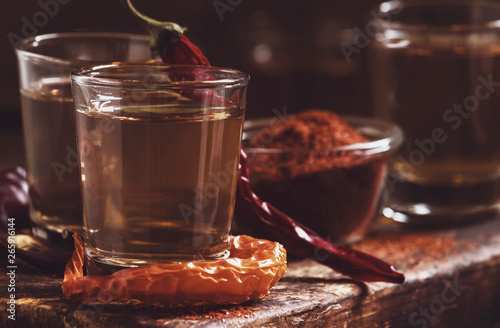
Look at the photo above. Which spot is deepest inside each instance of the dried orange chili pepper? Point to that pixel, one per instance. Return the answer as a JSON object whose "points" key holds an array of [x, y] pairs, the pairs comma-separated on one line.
{"points": [[253, 267]]}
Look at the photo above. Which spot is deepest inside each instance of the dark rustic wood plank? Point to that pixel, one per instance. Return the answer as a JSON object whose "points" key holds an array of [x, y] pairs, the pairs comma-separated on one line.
{"points": [[453, 280]]}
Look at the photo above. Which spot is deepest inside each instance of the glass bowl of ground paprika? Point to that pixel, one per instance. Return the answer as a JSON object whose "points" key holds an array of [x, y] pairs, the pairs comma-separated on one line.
{"points": [[325, 171]]}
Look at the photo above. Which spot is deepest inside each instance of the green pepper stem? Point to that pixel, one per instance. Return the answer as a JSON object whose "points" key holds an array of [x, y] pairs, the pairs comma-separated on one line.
{"points": [[154, 28]]}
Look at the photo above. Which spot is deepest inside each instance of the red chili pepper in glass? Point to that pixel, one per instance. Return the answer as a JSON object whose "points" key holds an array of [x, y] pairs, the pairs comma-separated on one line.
{"points": [[174, 48], [182, 52], [169, 42]]}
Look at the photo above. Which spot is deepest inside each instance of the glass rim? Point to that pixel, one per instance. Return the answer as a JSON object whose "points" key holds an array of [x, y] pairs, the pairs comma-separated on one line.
{"points": [[84, 76], [390, 138], [23, 47], [383, 16]]}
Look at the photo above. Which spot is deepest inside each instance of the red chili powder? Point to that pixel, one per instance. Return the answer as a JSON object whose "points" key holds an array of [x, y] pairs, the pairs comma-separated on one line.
{"points": [[335, 193]]}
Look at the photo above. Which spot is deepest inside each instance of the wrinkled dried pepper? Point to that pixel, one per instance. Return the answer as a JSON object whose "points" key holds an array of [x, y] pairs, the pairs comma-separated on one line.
{"points": [[252, 269]]}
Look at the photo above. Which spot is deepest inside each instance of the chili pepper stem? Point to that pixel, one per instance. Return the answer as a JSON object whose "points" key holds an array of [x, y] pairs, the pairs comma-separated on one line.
{"points": [[156, 28]]}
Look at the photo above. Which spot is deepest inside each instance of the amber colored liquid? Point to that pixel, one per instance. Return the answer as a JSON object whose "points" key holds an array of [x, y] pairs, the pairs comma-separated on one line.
{"points": [[455, 172], [158, 188], [51, 158]]}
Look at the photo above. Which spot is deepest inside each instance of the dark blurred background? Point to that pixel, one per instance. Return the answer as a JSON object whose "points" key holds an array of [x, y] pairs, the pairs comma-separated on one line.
{"points": [[290, 48]]}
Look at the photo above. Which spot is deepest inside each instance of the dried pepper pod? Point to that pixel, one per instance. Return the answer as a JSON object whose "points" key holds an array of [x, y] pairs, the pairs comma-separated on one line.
{"points": [[14, 205], [14, 214], [169, 42], [252, 269], [14, 197], [302, 241]]}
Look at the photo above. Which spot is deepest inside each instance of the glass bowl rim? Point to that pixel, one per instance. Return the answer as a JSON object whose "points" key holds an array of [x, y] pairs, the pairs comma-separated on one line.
{"points": [[390, 137]]}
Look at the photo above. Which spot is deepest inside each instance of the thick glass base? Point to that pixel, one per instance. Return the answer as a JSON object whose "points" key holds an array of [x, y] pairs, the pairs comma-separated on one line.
{"points": [[99, 262]]}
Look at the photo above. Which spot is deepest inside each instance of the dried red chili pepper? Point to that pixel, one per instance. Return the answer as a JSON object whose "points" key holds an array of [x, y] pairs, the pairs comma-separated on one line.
{"points": [[14, 214], [297, 239], [14, 197], [169, 42], [183, 52], [301, 241]]}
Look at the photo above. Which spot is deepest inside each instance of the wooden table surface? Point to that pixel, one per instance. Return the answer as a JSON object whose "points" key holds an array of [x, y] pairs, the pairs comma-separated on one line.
{"points": [[453, 280]]}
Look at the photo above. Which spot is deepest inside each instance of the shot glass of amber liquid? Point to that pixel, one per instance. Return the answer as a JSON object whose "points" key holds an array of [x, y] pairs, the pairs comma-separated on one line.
{"points": [[159, 151], [45, 65], [436, 72]]}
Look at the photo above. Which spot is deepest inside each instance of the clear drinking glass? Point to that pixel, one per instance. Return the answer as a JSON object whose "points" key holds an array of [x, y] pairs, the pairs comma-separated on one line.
{"points": [[159, 149], [435, 69], [45, 63]]}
